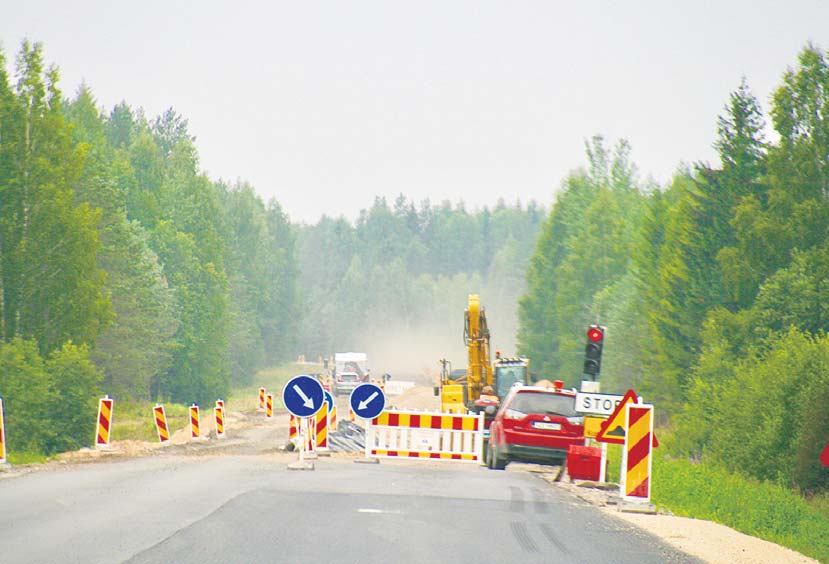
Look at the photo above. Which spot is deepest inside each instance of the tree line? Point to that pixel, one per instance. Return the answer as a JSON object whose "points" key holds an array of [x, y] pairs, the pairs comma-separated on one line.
{"points": [[713, 288], [123, 268]]}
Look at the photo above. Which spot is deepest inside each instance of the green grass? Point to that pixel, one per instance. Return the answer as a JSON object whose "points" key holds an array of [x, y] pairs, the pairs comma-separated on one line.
{"points": [[246, 398], [133, 420], [18, 458], [760, 509]]}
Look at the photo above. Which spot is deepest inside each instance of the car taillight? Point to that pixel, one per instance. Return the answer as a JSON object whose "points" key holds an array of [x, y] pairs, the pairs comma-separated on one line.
{"points": [[513, 414]]}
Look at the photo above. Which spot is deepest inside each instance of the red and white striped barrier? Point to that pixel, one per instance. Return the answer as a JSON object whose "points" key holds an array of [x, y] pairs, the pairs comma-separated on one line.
{"points": [[427, 435], [161, 428], [103, 435]]}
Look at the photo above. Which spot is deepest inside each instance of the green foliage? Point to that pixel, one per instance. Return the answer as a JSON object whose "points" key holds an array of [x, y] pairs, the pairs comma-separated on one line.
{"points": [[27, 394], [74, 399], [584, 247], [762, 509], [52, 287], [50, 406], [764, 420]]}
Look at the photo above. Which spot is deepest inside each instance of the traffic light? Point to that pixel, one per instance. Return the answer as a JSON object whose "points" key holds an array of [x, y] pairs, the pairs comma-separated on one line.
{"points": [[593, 351]]}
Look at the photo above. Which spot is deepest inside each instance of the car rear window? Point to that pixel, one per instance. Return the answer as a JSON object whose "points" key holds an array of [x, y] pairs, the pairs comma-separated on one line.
{"points": [[544, 403]]}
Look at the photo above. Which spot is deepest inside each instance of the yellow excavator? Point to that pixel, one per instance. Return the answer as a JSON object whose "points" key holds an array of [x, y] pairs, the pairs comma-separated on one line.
{"points": [[462, 391]]}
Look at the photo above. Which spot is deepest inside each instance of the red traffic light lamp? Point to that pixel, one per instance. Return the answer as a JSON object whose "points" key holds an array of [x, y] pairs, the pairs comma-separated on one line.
{"points": [[595, 334], [593, 351]]}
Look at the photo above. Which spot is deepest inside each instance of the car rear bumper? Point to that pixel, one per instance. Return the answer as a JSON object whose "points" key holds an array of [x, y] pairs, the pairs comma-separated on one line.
{"points": [[536, 454]]}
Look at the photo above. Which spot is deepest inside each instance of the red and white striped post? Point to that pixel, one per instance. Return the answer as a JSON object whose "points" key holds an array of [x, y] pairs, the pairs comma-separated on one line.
{"points": [[261, 399], [269, 408]]}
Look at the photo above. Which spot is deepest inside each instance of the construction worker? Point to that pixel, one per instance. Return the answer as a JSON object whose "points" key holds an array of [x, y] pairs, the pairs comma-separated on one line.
{"points": [[488, 394]]}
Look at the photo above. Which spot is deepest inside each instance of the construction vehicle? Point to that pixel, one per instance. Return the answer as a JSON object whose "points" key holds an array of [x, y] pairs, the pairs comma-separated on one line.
{"points": [[464, 393]]}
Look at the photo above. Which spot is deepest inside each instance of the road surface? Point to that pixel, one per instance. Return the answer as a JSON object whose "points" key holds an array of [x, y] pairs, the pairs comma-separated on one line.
{"points": [[205, 505]]}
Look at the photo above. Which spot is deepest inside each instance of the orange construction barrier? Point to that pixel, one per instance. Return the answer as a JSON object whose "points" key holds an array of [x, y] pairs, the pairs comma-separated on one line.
{"points": [[102, 432], [269, 409], [262, 398], [161, 424]]}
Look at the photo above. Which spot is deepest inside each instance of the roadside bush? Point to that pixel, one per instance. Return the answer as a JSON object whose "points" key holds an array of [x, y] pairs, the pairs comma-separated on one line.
{"points": [[74, 403], [27, 395], [769, 420]]}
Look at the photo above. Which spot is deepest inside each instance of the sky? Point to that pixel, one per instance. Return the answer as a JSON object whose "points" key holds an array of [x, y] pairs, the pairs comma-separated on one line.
{"points": [[326, 105]]}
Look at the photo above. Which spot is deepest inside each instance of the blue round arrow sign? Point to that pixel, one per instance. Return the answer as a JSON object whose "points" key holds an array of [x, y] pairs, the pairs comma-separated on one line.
{"points": [[367, 401], [303, 395], [329, 398]]}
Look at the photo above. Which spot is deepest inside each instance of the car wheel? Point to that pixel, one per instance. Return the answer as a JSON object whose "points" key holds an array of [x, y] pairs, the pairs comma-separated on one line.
{"points": [[497, 461]]}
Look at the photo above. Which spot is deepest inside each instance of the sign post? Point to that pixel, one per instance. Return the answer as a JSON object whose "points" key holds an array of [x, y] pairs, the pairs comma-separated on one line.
{"points": [[367, 401]]}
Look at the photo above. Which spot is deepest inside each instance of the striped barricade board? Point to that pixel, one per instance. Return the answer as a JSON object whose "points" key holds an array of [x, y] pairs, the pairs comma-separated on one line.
{"points": [[426, 435]]}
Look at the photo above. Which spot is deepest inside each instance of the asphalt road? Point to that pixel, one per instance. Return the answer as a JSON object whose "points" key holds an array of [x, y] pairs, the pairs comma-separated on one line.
{"points": [[238, 507]]}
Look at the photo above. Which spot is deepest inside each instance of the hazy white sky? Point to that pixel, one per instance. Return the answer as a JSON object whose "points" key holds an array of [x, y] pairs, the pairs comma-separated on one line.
{"points": [[324, 105]]}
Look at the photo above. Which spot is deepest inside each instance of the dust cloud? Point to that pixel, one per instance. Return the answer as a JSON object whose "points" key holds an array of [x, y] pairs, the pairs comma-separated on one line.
{"points": [[412, 350]]}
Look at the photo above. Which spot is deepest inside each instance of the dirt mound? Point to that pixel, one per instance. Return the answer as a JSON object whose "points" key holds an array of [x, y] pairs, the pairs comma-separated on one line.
{"points": [[418, 397]]}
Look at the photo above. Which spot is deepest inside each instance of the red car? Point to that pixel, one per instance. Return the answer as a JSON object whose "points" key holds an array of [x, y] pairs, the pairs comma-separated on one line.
{"points": [[534, 424]]}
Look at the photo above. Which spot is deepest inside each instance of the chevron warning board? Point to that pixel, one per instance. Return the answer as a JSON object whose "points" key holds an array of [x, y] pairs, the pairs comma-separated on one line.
{"points": [[102, 431], [161, 424], [638, 448]]}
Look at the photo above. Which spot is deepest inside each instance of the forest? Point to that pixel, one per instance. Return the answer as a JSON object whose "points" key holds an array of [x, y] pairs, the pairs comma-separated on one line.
{"points": [[125, 270], [713, 288]]}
